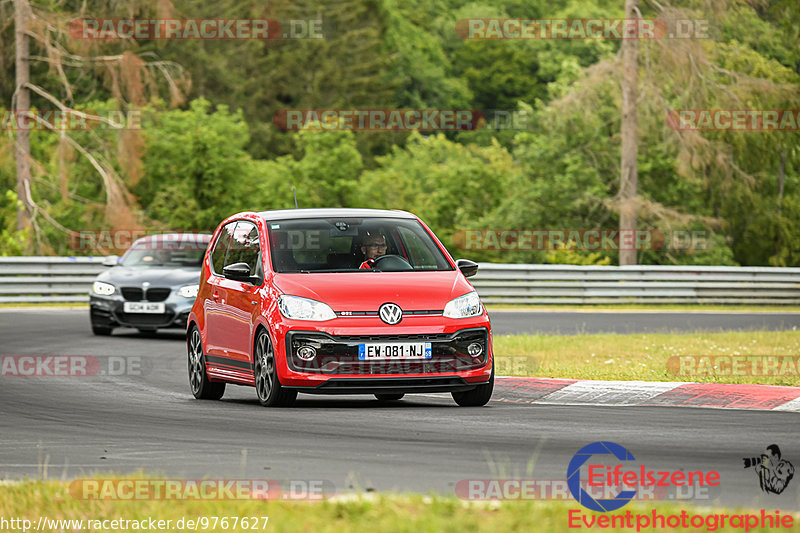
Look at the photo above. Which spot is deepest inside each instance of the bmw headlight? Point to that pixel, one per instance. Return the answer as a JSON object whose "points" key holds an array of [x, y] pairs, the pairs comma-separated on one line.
{"points": [[464, 306], [103, 289], [299, 308], [188, 291]]}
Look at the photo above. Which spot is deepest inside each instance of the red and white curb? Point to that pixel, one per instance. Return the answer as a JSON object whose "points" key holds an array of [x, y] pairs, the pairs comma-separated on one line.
{"points": [[553, 391]]}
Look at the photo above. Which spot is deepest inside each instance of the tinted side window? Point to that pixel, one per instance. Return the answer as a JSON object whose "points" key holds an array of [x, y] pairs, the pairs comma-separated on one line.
{"points": [[245, 247], [421, 254], [221, 248]]}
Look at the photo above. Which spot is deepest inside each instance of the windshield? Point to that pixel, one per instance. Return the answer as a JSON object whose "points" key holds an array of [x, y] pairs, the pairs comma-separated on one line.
{"points": [[345, 244], [165, 253]]}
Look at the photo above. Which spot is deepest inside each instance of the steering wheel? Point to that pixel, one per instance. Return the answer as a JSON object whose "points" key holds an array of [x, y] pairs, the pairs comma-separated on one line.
{"points": [[392, 263]]}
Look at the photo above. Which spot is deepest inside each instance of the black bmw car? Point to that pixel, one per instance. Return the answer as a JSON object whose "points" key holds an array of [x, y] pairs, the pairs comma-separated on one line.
{"points": [[152, 286]]}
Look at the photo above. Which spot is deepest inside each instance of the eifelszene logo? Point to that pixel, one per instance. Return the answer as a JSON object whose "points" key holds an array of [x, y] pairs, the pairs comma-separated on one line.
{"points": [[774, 473], [624, 480]]}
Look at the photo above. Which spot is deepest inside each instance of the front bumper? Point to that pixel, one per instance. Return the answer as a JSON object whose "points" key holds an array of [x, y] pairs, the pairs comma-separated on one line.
{"points": [[388, 385], [107, 311], [337, 369], [339, 354]]}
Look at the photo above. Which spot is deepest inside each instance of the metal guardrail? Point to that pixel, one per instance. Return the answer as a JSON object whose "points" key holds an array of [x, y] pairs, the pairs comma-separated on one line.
{"points": [[574, 284], [68, 279], [47, 279]]}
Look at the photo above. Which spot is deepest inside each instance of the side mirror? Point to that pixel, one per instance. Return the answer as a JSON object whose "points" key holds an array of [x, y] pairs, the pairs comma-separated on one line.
{"points": [[467, 267], [111, 260], [239, 272]]}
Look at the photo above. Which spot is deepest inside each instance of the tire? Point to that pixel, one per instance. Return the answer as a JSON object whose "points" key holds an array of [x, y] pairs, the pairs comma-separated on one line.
{"points": [[202, 387], [389, 397], [269, 390], [478, 396], [101, 331]]}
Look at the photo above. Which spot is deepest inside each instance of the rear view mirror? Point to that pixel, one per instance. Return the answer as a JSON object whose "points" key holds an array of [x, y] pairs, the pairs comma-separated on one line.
{"points": [[240, 272], [467, 267]]}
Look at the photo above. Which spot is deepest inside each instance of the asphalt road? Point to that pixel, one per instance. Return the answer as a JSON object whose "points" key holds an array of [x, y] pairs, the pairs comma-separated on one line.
{"points": [[147, 419]]}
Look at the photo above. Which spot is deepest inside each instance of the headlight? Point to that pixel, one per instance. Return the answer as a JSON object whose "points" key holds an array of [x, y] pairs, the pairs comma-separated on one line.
{"points": [[104, 289], [188, 291], [299, 308], [464, 306]]}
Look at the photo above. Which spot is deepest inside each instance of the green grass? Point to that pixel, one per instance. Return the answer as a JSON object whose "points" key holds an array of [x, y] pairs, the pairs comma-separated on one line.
{"points": [[77, 305], [371, 512], [640, 356]]}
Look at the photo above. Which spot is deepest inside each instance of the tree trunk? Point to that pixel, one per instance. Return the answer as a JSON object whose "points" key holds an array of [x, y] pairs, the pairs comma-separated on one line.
{"points": [[23, 104], [781, 172], [629, 176]]}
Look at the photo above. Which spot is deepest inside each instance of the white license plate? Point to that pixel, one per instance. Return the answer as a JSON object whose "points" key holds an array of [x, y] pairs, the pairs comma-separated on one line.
{"points": [[394, 350], [144, 307]]}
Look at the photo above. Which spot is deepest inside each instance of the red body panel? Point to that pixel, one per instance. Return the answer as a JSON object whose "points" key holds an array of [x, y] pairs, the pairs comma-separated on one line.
{"points": [[228, 313]]}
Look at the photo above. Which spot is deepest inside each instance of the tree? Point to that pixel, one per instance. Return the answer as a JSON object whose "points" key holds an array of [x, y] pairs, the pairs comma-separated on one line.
{"points": [[130, 82], [629, 173]]}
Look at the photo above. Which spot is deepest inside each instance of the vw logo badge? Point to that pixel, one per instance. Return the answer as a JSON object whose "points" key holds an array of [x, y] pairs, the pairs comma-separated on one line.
{"points": [[390, 313]]}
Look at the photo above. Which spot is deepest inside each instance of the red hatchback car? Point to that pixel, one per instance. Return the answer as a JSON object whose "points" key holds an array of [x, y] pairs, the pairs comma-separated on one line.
{"points": [[337, 301]]}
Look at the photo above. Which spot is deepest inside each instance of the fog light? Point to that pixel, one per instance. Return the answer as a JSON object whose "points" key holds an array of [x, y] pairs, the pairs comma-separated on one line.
{"points": [[475, 349], [306, 353]]}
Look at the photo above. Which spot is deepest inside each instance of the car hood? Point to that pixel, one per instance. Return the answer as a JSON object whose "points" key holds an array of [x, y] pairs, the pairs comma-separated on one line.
{"points": [[157, 277], [366, 291]]}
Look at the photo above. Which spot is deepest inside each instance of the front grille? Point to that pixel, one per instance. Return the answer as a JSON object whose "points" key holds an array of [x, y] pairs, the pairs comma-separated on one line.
{"points": [[157, 294], [339, 354], [136, 294], [145, 319], [133, 294]]}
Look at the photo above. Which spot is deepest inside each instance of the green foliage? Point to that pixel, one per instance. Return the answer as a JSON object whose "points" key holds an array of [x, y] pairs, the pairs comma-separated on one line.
{"points": [[196, 170], [12, 242], [446, 184], [325, 175], [219, 152], [568, 254]]}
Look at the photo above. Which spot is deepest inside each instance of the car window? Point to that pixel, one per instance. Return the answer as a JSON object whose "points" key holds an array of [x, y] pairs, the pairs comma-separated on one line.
{"points": [[336, 244], [167, 251], [419, 249], [221, 248], [244, 247]]}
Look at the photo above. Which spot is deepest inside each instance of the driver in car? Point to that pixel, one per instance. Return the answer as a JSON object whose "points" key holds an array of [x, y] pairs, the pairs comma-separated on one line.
{"points": [[373, 247]]}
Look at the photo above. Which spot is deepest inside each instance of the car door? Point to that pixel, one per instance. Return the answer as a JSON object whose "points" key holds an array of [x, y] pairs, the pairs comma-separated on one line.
{"points": [[214, 305], [242, 299]]}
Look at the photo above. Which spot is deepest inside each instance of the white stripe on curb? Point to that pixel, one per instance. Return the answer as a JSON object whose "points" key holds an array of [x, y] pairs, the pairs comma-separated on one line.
{"points": [[609, 392], [791, 405]]}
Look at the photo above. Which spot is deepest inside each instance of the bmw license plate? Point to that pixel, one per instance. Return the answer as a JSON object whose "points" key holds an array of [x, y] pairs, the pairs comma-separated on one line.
{"points": [[144, 307], [395, 350]]}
